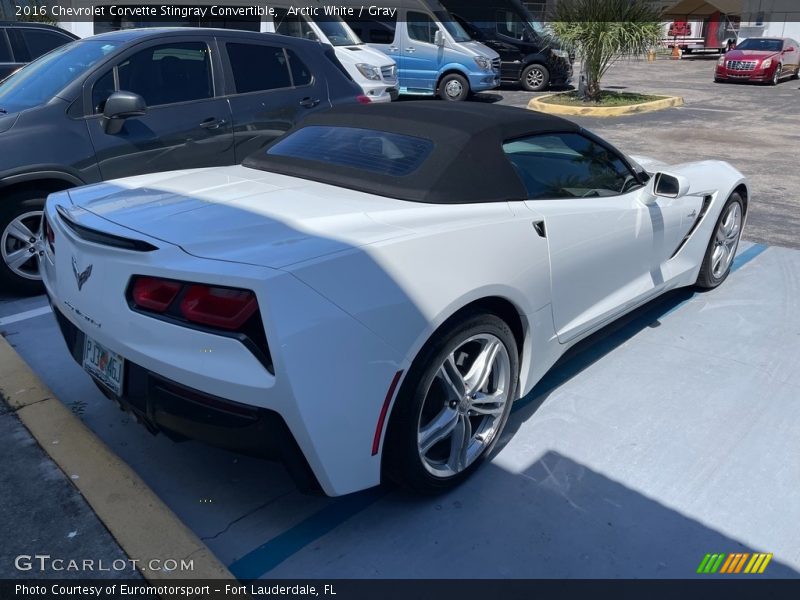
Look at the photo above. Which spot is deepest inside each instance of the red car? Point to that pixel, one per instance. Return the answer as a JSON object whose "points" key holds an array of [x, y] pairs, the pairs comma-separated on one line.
{"points": [[766, 60]]}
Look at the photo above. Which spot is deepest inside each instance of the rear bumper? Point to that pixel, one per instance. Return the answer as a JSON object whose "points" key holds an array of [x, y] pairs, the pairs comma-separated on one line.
{"points": [[180, 412]]}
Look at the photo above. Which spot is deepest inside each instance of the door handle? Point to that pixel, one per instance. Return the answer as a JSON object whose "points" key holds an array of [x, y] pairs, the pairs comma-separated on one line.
{"points": [[538, 226], [394, 49], [309, 102], [212, 123], [410, 50]]}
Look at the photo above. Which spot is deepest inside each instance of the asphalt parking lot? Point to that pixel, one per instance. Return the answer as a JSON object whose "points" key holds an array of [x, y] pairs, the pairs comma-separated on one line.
{"points": [[664, 437]]}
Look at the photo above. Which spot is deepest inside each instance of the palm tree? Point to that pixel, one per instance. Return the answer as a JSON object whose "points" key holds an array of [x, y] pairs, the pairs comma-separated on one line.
{"points": [[603, 31]]}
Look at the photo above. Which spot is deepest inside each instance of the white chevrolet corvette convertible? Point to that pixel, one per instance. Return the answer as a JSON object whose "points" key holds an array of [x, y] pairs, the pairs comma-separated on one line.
{"points": [[369, 294]]}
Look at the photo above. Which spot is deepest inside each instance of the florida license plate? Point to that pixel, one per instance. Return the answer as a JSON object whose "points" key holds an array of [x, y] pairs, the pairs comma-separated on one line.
{"points": [[104, 365]]}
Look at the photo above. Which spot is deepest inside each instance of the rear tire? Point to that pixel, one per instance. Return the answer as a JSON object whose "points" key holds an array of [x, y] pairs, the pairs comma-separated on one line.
{"points": [[453, 88], [796, 74], [724, 242], [535, 78], [20, 222], [449, 412]]}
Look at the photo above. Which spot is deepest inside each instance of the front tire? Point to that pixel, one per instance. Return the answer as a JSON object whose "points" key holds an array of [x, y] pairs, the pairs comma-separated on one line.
{"points": [[535, 78], [776, 76], [453, 404], [454, 88], [20, 240], [723, 244]]}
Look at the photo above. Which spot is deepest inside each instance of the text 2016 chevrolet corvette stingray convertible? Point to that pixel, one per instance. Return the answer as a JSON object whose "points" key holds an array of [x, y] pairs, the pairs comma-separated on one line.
{"points": [[369, 294]]}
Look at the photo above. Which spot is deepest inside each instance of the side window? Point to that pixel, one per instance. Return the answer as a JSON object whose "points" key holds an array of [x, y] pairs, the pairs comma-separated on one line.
{"points": [[257, 67], [168, 73], [41, 42], [301, 75], [5, 50], [293, 25], [101, 90], [568, 165], [421, 27], [18, 47], [374, 32]]}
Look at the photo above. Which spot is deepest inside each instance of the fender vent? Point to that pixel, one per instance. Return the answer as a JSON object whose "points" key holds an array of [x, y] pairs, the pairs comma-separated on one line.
{"points": [[703, 211]]}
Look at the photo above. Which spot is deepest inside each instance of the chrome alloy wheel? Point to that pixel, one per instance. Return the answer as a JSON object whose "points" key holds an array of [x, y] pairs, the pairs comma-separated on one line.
{"points": [[464, 405], [453, 88], [726, 240], [20, 245], [534, 78]]}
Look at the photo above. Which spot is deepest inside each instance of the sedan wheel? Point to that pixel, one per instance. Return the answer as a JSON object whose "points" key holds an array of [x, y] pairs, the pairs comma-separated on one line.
{"points": [[453, 405], [776, 77], [20, 247], [722, 248]]}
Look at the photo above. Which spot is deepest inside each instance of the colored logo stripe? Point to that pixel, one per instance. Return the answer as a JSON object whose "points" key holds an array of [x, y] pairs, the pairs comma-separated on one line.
{"points": [[734, 563]]}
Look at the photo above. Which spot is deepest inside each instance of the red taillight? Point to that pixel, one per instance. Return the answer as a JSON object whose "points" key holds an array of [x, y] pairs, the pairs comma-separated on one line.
{"points": [[224, 308], [362, 99], [154, 294]]}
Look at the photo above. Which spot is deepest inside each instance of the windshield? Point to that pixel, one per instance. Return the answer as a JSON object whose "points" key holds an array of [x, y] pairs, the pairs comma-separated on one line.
{"points": [[519, 25], [338, 33], [40, 81], [761, 45], [455, 30]]}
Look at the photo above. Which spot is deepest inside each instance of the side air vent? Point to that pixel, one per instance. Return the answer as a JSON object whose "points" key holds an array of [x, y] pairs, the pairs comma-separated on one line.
{"points": [[103, 238], [706, 203]]}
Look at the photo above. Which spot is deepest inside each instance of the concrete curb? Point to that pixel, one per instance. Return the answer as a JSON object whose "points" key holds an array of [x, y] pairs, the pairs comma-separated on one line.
{"points": [[142, 524], [602, 111]]}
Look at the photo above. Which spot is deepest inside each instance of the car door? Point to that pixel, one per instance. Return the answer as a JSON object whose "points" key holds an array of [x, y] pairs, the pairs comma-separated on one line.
{"points": [[270, 88], [187, 125], [790, 57], [606, 244], [420, 56]]}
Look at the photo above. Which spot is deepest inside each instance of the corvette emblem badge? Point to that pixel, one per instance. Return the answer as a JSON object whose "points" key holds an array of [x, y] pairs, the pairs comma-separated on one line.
{"points": [[81, 277]]}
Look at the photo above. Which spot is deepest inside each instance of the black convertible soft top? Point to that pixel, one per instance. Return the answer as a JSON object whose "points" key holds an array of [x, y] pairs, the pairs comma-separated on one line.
{"points": [[466, 164]]}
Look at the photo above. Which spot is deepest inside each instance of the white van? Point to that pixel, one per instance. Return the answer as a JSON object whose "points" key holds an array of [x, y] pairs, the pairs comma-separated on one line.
{"points": [[371, 69]]}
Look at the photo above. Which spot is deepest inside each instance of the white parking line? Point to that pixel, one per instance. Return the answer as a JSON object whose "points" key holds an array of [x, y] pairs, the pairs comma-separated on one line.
{"points": [[24, 316]]}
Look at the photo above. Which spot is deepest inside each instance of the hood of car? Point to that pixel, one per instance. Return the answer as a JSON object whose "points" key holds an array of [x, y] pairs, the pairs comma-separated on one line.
{"points": [[479, 49], [363, 54], [242, 215], [749, 54]]}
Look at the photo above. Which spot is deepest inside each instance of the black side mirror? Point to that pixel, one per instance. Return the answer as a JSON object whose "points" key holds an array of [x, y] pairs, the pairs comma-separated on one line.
{"points": [[120, 106]]}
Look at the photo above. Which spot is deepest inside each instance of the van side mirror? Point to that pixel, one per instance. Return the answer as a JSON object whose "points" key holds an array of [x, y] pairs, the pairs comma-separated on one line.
{"points": [[120, 106], [438, 38]]}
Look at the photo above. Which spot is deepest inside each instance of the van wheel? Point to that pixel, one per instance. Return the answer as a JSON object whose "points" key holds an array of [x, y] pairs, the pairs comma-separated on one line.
{"points": [[453, 88], [20, 232], [453, 404], [535, 78]]}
